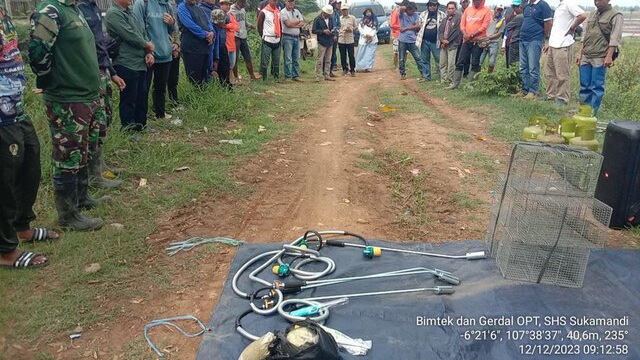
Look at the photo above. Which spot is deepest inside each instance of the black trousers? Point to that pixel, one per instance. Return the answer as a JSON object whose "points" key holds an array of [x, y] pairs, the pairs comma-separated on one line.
{"points": [[19, 180], [465, 71], [224, 67], [159, 74], [469, 52], [133, 99], [196, 66], [513, 53], [172, 84], [347, 49]]}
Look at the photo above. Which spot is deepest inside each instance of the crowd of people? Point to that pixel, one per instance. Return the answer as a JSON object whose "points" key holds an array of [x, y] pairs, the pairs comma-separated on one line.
{"points": [[461, 40], [76, 65]]}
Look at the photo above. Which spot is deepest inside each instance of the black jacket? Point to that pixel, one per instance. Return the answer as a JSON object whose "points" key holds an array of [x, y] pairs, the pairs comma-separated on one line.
{"points": [[93, 15], [319, 25], [455, 35]]}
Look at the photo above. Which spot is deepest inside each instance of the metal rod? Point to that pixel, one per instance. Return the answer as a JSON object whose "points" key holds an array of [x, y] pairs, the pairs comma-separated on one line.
{"points": [[438, 290], [469, 256]]}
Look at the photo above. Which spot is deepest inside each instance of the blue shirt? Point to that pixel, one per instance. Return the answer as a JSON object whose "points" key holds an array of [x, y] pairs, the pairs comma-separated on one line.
{"points": [[535, 16], [408, 36]]}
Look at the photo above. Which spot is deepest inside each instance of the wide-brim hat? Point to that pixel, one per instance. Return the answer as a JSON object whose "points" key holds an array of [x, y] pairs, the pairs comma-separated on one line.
{"points": [[327, 9], [344, 7]]}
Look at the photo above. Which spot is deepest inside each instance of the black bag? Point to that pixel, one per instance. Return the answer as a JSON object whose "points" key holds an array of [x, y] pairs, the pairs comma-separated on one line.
{"points": [[607, 37], [325, 349]]}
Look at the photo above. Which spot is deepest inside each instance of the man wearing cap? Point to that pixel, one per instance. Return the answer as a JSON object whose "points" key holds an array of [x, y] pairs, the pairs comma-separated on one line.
{"points": [[242, 44], [600, 40], [270, 30], [512, 29], [427, 39], [473, 26], [409, 27], [493, 40], [346, 41], [292, 22], [566, 18], [450, 38], [538, 19], [322, 26]]}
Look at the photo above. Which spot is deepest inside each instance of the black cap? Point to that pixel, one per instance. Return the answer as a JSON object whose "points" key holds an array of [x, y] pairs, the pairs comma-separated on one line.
{"points": [[403, 3], [430, 2]]}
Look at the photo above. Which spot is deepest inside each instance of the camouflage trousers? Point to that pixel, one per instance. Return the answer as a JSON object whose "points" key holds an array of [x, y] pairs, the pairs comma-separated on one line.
{"points": [[104, 114], [72, 126]]}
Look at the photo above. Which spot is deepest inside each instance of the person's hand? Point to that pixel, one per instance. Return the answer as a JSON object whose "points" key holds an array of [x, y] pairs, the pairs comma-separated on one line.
{"points": [[149, 47], [149, 60], [214, 74], [326, 32], [467, 37], [37, 91], [210, 37], [168, 19], [579, 59], [175, 51], [608, 61], [571, 31], [545, 48], [119, 82]]}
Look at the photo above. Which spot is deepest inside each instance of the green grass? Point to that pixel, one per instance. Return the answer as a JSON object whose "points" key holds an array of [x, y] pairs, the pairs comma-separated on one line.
{"points": [[408, 191], [465, 200], [458, 136], [480, 160], [45, 304]]}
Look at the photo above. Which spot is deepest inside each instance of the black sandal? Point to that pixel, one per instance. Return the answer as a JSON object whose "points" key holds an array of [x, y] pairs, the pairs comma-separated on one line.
{"points": [[24, 261], [41, 234]]}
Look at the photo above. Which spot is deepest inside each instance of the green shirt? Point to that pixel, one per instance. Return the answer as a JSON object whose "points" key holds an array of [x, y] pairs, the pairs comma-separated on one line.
{"points": [[62, 53], [129, 32]]}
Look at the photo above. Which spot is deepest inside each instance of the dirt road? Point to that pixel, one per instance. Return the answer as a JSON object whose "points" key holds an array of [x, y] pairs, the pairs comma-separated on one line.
{"points": [[317, 178]]}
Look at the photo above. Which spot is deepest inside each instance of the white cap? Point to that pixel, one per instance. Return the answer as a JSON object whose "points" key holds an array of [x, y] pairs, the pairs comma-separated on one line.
{"points": [[327, 9]]}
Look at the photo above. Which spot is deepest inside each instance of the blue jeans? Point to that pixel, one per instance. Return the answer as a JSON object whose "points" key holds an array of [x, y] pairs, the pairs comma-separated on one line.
{"points": [[492, 52], [592, 86], [530, 53], [427, 49], [403, 47], [291, 46]]}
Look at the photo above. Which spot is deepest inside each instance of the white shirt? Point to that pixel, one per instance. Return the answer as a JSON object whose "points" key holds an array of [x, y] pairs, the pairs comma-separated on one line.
{"points": [[269, 28], [563, 18]]}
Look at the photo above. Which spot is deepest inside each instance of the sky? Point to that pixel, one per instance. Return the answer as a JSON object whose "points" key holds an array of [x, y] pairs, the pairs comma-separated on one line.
{"points": [[389, 3]]}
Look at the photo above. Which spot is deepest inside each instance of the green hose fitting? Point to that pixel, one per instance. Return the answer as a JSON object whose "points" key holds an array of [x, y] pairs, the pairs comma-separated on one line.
{"points": [[371, 251], [283, 270]]}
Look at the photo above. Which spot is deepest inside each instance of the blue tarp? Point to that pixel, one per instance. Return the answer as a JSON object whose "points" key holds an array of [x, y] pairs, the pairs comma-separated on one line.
{"points": [[488, 317]]}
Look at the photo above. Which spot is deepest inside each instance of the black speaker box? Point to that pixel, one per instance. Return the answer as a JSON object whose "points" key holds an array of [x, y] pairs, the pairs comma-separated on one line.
{"points": [[619, 181]]}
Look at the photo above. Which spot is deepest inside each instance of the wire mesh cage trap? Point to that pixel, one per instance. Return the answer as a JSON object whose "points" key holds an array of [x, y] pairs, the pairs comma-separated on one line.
{"points": [[544, 219]]}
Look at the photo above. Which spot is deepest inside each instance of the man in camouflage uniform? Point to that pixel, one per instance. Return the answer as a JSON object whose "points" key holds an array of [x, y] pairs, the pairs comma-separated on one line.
{"points": [[62, 54], [93, 16], [19, 156]]}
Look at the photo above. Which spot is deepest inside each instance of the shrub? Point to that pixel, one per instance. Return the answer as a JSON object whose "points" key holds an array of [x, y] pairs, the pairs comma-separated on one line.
{"points": [[502, 82]]}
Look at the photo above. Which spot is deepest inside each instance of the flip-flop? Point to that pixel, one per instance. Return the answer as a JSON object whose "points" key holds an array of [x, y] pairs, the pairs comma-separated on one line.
{"points": [[41, 234], [24, 262]]}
